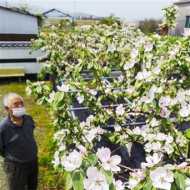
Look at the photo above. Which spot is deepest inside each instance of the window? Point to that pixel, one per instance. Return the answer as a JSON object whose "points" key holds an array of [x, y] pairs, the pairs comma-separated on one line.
{"points": [[187, 23]]}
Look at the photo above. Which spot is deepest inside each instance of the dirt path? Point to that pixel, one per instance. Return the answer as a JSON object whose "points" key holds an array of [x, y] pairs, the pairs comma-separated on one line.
{"points": [[3, 185]]}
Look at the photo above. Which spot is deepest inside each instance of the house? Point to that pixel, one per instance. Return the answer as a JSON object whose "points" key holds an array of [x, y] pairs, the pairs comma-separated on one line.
{"points": [[85, 16], [183, 17], [54, 15], [17, 28]]}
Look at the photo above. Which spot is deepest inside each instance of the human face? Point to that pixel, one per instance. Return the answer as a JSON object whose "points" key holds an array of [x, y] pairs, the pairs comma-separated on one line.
{"points": [[15, 102]]}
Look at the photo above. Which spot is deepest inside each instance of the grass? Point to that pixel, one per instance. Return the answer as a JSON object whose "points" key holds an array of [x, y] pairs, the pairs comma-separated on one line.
{"points": [[41, 116], [39, 113]]}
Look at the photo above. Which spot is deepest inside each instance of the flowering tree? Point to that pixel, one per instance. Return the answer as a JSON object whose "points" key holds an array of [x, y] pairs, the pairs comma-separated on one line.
{"points": [[135, 75], [169, 21]]}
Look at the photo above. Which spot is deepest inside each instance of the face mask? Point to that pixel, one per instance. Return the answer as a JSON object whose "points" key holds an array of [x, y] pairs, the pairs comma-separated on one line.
{"points": [[19, 112]]}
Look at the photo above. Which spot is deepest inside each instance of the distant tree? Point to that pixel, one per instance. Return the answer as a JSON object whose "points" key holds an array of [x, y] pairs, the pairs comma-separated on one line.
{"points": [[23, 6], [110, 20], [149, 25], [169, 21]]}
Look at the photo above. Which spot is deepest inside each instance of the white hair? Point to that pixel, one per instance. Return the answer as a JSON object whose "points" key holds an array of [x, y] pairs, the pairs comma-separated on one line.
{"points": [[9, 96]]}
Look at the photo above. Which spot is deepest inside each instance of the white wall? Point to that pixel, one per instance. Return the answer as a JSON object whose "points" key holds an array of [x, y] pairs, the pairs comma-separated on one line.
{"points": [[17, 23], [30, 68], [18, 53], [183, 11]]}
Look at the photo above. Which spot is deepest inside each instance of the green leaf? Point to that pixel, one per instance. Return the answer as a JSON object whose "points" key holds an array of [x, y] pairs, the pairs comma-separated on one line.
{"points": [[77, 180], [187, 133], [108, 175], [173, 187], [92, 159], [112, 187], [139, 186], [180, 180], [147, 185], [67, 181], [58, 99]]}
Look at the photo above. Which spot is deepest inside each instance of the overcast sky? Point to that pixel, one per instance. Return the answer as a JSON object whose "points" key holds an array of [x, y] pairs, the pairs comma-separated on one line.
{"points": [[130, 9]]}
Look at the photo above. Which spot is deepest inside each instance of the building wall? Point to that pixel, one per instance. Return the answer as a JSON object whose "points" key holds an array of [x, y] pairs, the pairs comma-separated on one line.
{"points": [[183, 11], [18, 52], [9, 53], [30, 68], [17, 23]]}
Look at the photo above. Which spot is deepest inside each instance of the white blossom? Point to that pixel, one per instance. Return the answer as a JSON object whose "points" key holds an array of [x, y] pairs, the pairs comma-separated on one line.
{"points": [[161, 137], [150, 137], [119, 185], [89, 120], [93, 92], [120, 110], [162, 178], [135, 178], [80, 99], [181, 140], [174, 51], [111, 48], [154, 122], [28, 90], [148, 147], [95, 180], [94, 132], [137, 131], [72, 161], [108, 90], [62, 147], [143, 75], [148, 47], [130, 90], [82, 124], [108, 162], [117, 128], [152, 160], [187, 184], [165, 112], [184, 111], [156, 70], [51, 97], [120, 78], [168, 148], [133, 182], [63, 88], [164, 101], [134, 53], [169, 139], [56, 160], [152, 91], [183, 165], [180, 97], [129, 65], [82, 150], [156, 146]]}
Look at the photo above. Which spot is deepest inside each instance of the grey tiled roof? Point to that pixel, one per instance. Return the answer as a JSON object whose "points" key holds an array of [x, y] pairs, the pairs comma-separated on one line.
{"points": [[18, 10], [58, 12], [14, 44], [181, 2]]}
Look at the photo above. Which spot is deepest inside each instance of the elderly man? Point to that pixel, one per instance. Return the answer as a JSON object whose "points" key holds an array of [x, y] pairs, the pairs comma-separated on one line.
{"points": [[18, 146]]}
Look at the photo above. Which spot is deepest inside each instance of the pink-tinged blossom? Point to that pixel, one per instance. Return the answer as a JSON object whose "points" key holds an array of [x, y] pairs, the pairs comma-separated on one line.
{"points": [[95, 180], [108, 162]]}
